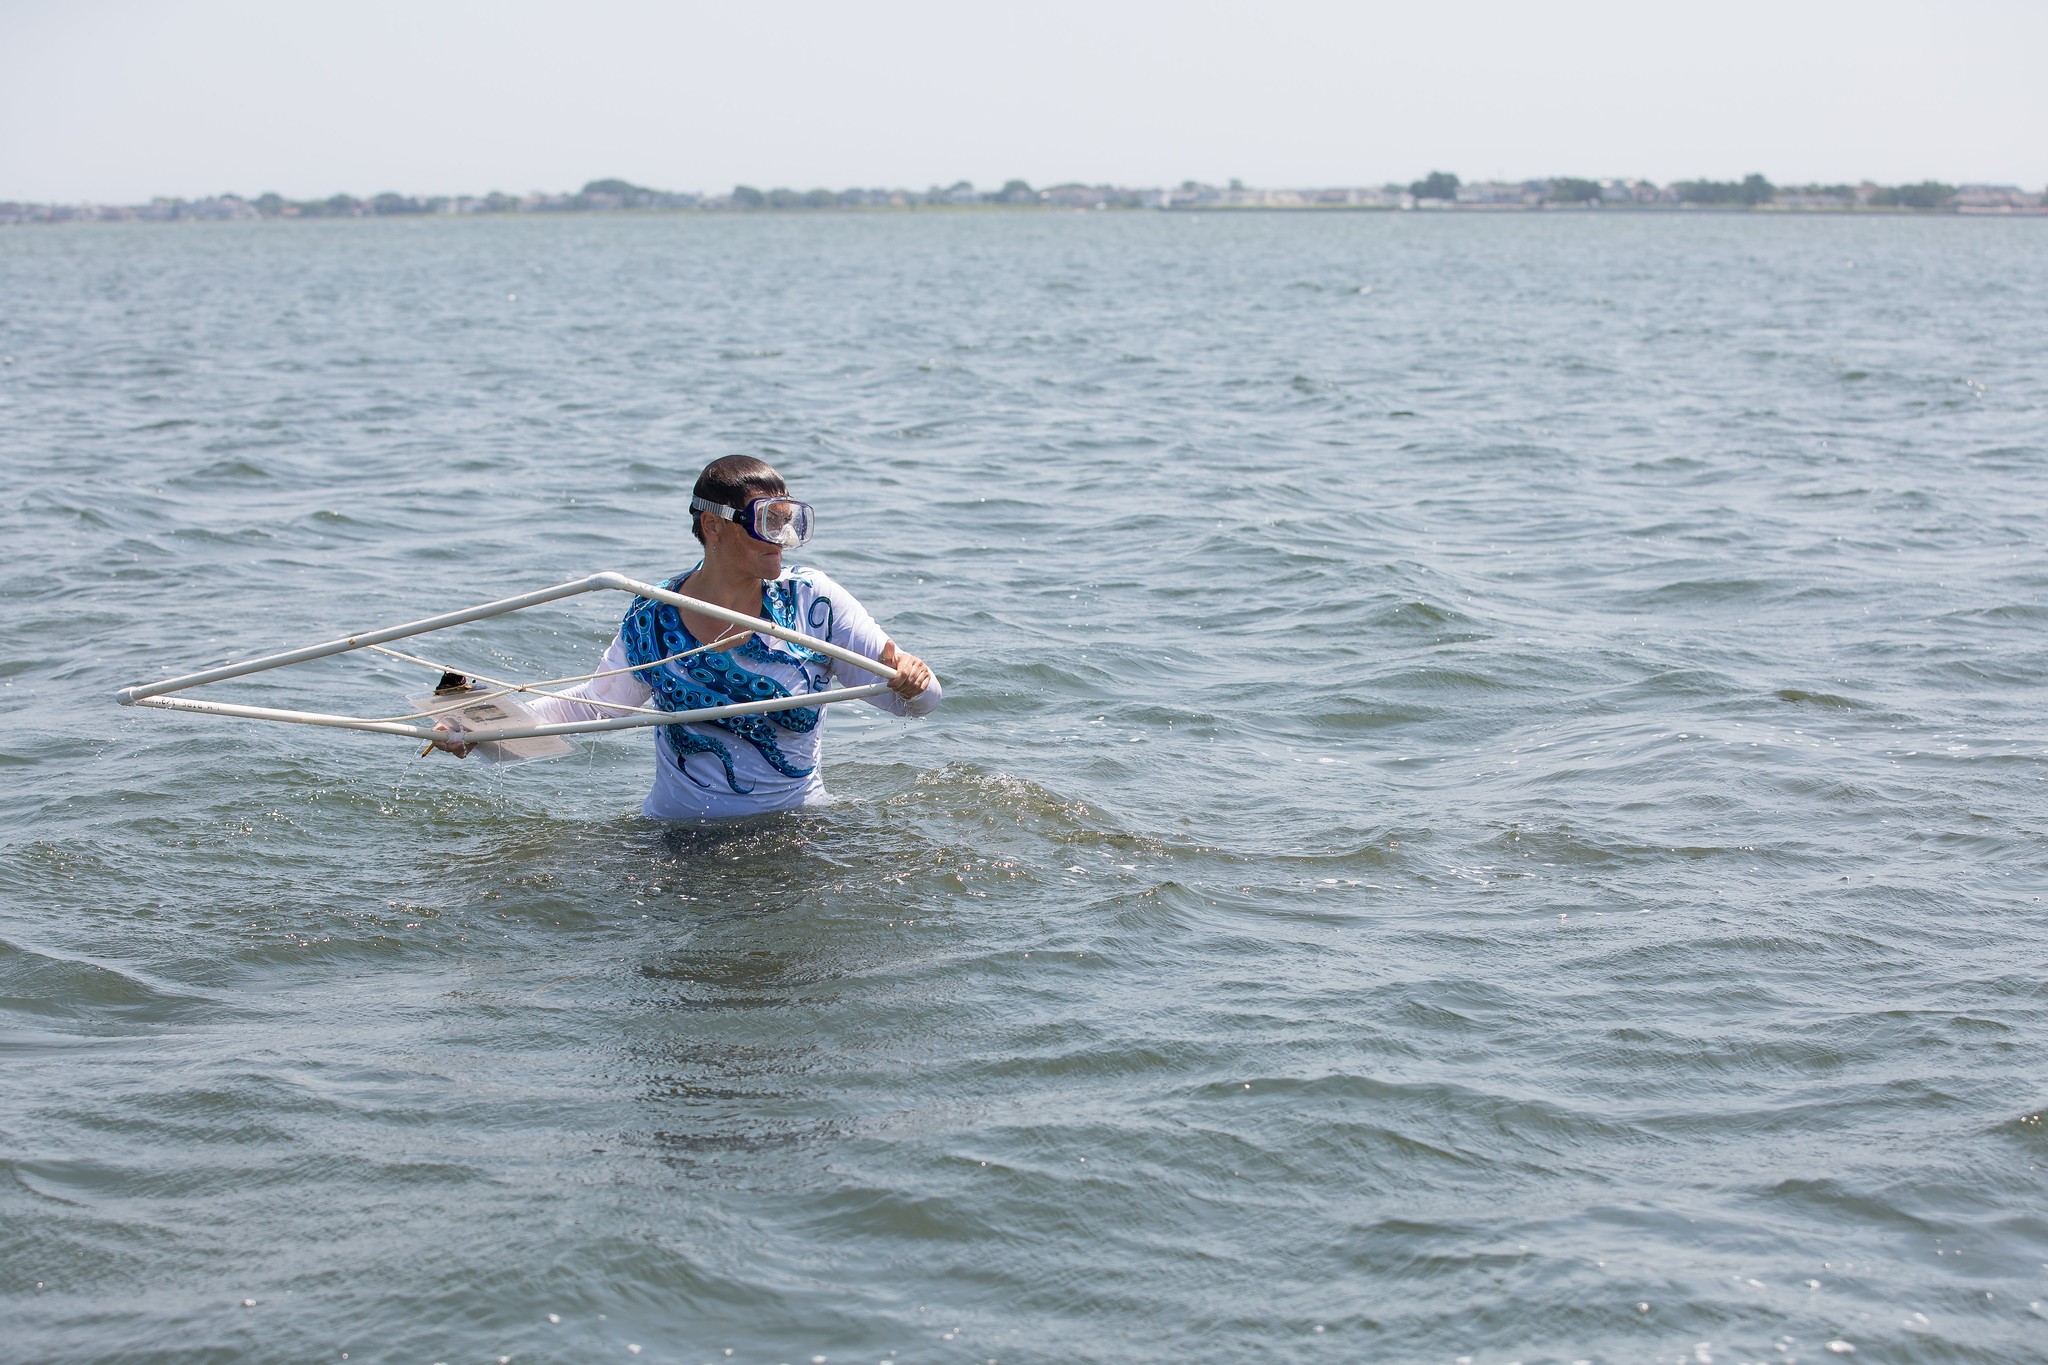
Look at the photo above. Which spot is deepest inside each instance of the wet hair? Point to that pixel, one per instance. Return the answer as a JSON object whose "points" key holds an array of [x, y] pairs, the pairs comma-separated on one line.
{"points": [[734, 481]]}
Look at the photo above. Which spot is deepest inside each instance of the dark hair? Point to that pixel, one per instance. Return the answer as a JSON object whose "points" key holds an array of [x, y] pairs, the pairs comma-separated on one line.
{"points": [[734, 481]]}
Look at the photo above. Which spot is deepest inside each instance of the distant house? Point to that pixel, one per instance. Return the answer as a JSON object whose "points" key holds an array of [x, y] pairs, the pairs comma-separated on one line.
{"points": [[1813, 197], [1353, 196], [1067, 196], [1088, 196], [1626, 191], [1498, 194], [1994, 198]]}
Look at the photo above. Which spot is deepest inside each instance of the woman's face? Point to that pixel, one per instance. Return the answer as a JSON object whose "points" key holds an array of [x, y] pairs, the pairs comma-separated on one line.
{"points": [[726, 543]]}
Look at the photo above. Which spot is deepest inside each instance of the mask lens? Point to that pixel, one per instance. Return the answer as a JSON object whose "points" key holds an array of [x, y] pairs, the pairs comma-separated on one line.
{"points": [[782, 521]]}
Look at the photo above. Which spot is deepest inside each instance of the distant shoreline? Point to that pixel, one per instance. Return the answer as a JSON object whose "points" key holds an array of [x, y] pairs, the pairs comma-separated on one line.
{"points": [[1191, 210], [1438, 192]]}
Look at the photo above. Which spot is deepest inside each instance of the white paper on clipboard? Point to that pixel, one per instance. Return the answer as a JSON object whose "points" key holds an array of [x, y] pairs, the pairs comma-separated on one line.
{"points": [[455, 709]]}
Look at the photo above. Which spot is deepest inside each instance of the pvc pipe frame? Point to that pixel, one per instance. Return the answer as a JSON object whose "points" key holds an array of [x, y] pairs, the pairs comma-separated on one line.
{"points": [[157, 694]]}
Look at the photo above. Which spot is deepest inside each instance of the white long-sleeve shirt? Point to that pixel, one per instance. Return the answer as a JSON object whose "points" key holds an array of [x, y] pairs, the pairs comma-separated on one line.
{"points": [[695, 786]]}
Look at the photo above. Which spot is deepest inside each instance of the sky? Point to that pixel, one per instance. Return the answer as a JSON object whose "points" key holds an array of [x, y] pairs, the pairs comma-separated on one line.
{"points": [[119, 101]]}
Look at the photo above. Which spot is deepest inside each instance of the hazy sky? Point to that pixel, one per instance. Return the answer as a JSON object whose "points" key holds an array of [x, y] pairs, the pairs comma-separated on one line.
{"points": [[120, 100]]}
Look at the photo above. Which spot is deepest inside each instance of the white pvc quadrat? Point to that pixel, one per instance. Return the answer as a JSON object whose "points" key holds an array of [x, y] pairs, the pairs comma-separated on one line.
{"points": [[158, 694]]}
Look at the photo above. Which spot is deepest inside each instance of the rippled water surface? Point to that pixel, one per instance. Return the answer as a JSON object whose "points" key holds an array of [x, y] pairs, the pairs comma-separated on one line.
{"points": [[1490, 802]]}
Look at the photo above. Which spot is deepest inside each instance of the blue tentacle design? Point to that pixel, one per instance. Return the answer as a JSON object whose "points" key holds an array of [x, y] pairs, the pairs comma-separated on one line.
{"points": [[821, 616], [654, 630], [779, 601]]}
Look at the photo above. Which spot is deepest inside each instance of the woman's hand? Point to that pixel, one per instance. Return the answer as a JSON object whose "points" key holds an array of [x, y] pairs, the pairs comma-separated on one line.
{"points": [[913, 675], [451, 745]]}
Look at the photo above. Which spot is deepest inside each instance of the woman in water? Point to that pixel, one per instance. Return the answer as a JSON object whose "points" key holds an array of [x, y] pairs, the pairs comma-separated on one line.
{"points": [[742, 514]]}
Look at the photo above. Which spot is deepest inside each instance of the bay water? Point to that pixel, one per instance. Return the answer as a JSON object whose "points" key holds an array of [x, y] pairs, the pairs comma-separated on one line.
{"points": [[1490, 804]]}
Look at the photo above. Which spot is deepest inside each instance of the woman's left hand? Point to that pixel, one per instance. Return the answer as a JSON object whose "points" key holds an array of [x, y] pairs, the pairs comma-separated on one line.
{"points": [[913, 675]]}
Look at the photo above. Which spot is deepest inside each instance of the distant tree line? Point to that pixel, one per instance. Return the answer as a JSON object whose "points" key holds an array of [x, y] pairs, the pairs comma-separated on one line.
{"points": [[1436, 185], [1752, 191], [1749, 191], [1928, 194], [597, 195], [1571, 190]]}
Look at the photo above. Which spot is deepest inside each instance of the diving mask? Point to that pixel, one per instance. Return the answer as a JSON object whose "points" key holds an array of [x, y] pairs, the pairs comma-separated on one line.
{"points": [[778, 520]]}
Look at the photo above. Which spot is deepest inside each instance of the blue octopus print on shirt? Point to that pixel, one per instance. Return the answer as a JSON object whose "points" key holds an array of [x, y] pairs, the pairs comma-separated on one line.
{"points": [[653, 631], [778, 602]]}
